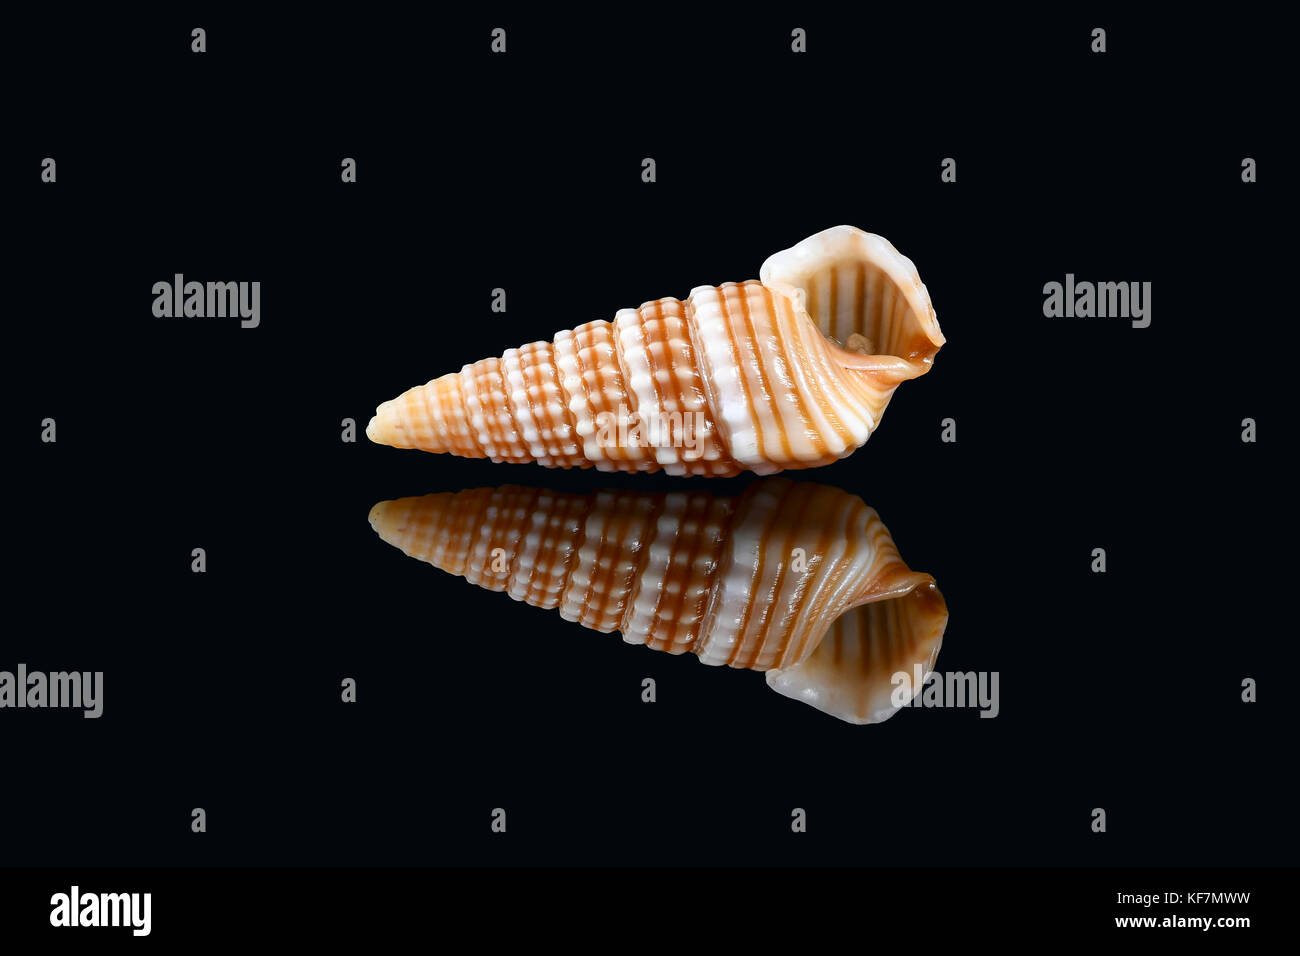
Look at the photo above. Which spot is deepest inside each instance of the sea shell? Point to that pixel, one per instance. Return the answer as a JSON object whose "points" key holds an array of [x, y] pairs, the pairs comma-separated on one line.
{"points": [[800, 580], [791, 371]]}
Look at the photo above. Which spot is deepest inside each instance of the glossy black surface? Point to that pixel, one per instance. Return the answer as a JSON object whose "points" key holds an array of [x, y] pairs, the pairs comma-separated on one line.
{"points": [[1119, 690]]}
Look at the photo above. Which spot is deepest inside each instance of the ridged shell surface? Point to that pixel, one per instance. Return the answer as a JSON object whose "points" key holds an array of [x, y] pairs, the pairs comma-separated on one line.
{"points": [[762, 580], [790, 371]]}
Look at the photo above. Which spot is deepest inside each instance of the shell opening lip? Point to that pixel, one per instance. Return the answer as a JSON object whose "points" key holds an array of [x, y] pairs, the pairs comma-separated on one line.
{"points": [[864, 362], [841, 278]]}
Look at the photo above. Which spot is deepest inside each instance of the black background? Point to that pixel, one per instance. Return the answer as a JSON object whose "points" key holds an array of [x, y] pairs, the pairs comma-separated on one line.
{"points": [[523, 171]]}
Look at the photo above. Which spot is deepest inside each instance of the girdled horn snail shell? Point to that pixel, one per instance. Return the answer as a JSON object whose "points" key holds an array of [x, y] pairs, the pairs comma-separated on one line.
{"points": [[793, 370]]}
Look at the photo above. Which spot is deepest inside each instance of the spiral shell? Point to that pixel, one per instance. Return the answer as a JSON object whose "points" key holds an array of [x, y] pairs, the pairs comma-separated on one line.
{"points": [[800, 580], [791, 371]]}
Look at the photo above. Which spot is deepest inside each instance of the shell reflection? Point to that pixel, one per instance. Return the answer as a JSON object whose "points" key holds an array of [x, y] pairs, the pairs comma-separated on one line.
{"points": [[800, 580]]}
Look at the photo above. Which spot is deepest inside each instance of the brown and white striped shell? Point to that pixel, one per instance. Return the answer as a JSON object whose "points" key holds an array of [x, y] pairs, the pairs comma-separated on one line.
{"points": [[800, 580], [791, 371]]}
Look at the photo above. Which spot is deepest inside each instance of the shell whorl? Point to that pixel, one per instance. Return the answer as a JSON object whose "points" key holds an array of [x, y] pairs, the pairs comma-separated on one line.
{"points": [[691, 572], [790, 371]]}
